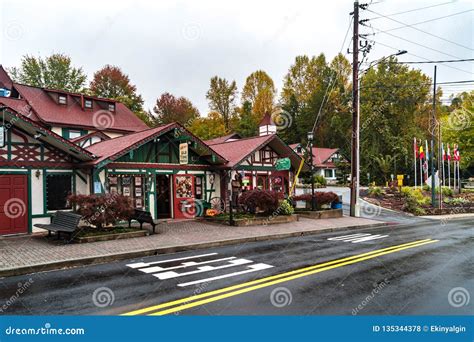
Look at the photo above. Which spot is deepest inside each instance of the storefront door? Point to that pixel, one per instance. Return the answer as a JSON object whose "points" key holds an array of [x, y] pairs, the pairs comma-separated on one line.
{"points": [[163, 193], [13, 204], [183, 186]]}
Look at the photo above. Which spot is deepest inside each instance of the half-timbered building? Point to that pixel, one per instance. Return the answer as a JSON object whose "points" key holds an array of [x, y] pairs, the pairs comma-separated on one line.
{"points": [[55, 143]]}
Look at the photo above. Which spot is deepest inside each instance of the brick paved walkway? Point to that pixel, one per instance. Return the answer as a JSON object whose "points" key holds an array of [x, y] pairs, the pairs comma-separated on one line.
{"points": [[35, 249]]}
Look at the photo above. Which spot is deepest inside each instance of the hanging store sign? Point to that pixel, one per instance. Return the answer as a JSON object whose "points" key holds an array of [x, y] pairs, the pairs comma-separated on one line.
{"points": [[283, 164], [183, 153]]}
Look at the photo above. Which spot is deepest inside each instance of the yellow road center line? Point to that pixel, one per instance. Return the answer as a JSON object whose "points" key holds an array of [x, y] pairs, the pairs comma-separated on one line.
{"points": [[261, 280], [256, 287]]}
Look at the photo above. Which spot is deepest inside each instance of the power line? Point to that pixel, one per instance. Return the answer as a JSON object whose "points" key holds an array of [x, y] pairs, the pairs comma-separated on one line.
{"points": [[420, 30], [445, 61], [413, 10], [424, 22], [417, 84], [415, 43], [426, 59]]}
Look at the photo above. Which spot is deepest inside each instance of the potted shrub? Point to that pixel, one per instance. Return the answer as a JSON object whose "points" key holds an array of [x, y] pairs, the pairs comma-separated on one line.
{"points": [[323, 199], [259, 201]]}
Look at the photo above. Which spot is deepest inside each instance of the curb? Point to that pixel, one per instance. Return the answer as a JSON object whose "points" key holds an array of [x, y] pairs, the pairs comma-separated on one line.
{"points": [[171, 249]]}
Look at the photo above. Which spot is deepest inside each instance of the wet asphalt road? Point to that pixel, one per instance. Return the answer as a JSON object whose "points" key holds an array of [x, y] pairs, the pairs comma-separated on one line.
{"points": [[411, 281]]}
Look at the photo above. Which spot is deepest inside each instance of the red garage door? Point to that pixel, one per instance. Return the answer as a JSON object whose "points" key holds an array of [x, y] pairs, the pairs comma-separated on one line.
{"points": [[13, 204]]}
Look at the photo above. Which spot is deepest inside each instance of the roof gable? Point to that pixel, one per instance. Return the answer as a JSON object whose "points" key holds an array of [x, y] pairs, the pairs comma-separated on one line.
{"points": [[32, 128], [113, 149], [240, 150]]}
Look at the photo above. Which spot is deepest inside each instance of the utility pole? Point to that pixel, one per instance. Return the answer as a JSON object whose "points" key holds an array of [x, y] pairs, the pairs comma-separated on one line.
{"points": [[354, 210], [433, 128]]}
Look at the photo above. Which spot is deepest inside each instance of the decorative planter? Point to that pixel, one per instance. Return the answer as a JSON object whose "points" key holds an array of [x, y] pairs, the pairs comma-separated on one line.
{"points": [[321, 214], [259, 220], [106, 237]]}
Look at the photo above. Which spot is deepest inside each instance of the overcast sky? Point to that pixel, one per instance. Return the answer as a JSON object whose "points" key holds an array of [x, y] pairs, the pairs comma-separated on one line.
{"points": [[177, 46]]}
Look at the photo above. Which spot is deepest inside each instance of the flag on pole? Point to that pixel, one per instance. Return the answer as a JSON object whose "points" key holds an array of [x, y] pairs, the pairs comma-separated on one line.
{"points": [[456, 153], [443, 174], [426, 152], [415, 155], [421, 154], [425, 164], [448, 157]]}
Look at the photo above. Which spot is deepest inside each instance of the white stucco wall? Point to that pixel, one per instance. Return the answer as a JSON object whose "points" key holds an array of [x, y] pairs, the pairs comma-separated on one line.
{"points": [[37, 191]]}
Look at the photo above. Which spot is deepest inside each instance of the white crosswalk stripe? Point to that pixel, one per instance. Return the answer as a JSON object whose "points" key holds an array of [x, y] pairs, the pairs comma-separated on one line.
{"points": [[356, 238], [186, 266], [252, 268]]}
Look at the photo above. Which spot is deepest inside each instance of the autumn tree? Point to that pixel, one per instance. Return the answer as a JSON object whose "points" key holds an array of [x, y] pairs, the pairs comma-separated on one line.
{"points": [[221, 96], [169, 108], [304, 78], [110, 82], [260, 92], [209, 127], [54, 72]]}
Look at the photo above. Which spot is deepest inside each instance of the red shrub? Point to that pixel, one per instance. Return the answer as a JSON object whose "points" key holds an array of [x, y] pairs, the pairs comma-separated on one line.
{"points": [[102, 210], [322, 197], [266, 201]]}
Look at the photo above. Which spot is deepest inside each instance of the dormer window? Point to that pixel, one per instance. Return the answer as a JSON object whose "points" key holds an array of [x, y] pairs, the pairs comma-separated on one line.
{"points": [[62, 99], [88, 104], [111, 107]]}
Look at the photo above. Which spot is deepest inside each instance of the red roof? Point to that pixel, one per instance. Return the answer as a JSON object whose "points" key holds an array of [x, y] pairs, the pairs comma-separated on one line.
{"points": [[266, 120], [238, 150], [5, 80], [222, 139], [321, 156], [19, 106], [25, 122], [115, 148], [118, 146], [72, 114]]}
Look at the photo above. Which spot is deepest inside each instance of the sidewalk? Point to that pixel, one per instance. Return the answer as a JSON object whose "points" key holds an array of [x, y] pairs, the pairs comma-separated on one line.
{"points": [[34, 253]]}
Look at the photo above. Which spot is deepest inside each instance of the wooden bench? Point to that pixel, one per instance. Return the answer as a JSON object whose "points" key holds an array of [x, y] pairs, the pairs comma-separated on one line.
{"points": [[62, 221], [142, 216]]}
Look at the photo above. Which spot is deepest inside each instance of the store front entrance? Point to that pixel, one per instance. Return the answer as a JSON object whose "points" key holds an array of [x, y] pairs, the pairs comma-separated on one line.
{"points": [[163, 201]]}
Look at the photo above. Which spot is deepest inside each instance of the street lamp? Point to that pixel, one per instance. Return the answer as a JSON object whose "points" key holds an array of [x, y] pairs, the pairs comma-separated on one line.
{"points": [[310, 142]]}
